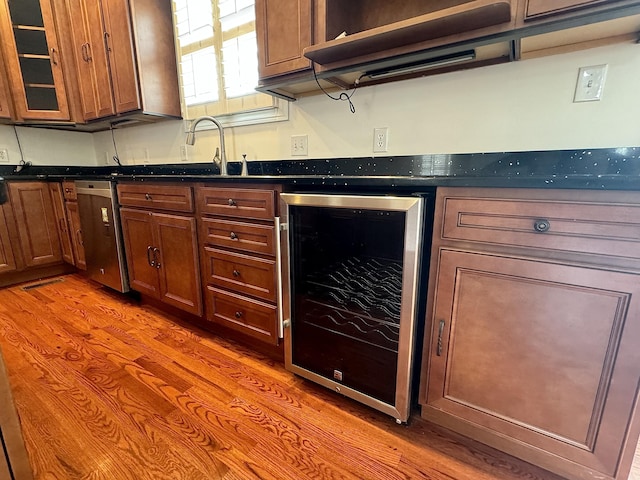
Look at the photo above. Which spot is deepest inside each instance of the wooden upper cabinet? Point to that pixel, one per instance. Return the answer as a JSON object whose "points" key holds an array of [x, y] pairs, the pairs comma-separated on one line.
{"points": [[91, 59], [33, 59], [119, 40], [5, 111], [284, 28], [542, 8], [125, 57], [36, 222]]}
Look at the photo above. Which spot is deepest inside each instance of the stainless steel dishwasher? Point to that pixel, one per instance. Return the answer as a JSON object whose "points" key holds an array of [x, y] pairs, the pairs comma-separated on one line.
{"points": [[101, 234]]}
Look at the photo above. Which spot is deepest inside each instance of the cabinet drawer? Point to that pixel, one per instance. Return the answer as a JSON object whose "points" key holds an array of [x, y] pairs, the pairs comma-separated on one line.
{"points": [[241, 273], [175, 198], [240, 313], [551, 224], [241, 236], [69, 191], [237, 202]]}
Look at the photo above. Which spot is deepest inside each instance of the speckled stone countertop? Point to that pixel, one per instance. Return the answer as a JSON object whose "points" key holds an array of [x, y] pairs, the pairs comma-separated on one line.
{"points": [[607, 168]]}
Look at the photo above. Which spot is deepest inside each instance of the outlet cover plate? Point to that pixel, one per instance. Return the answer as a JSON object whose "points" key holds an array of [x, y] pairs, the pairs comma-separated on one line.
{"points": [[4, 155], [380, 139]]}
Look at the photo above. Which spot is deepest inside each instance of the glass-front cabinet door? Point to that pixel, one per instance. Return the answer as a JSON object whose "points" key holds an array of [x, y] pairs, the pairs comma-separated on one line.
{"points": [[33, 59]]}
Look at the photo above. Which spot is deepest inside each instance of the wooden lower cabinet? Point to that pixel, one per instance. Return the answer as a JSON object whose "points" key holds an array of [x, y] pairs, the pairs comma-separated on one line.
{"points": [[162, 257], [238, 254], [7, 256], [60, 211], [76, 234], [531, 343], [534, 352], [36, 223]]}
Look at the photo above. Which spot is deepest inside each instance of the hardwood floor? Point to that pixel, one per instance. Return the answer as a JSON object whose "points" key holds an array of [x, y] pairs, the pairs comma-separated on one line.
{"points": [[108, 389]]}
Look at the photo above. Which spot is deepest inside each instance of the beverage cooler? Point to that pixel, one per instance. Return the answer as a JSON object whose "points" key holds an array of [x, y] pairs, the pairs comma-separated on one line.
{"points": [[351, 304]]}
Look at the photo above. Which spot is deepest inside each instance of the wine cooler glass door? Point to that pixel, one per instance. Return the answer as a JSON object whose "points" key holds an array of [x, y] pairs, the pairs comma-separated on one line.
{"points": [[353, 279]]}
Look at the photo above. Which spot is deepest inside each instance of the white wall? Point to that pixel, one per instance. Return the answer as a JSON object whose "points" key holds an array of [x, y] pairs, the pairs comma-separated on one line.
{"points": [[48, 147], [526, 105]]}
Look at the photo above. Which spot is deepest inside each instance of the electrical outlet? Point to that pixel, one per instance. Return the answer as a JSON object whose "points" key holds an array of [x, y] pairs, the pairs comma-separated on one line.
{"points": [[380, 139], [108, 158], [184, 156], [299, 145], [4, 155], [590, 83]]}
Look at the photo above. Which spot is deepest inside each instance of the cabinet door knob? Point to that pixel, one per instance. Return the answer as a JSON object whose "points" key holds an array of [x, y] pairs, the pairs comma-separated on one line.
{"points": [[236, 273], [147, 196], [238, 314], [233, 236], [232, 202], [541, 225]]}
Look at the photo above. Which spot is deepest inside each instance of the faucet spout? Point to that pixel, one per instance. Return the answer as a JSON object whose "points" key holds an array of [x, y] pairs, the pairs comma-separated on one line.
{"points": [[191, 139]]}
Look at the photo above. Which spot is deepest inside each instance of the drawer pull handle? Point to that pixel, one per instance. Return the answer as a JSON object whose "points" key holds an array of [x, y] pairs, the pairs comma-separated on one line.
{"points": [[147, 196], [233, 236], [150, 260], [541, 225], [236, 273], [232, 202], [238, 314], [156, 257], [440, 330]]}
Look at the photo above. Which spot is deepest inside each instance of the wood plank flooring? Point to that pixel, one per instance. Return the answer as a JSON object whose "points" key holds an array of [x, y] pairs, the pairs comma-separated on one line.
{"points": [[108, 389]]}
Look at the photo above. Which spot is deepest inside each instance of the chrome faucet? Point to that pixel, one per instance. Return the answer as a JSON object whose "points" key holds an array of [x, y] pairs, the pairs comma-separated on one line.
{"points": [[191, 139]]}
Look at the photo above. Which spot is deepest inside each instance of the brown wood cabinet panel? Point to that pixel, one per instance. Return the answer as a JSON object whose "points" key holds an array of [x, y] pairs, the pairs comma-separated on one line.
{"points": [[541, 8], [57, 200], [139, 242], [156, 56], [73, 216], [161, 197], [241, 273], [560, 225], [34, 61], [534, 352], [284, 29], [5, 95], [120, 47], [91, 59], [177, 261], [248, 237], [7, 257], [69, 191], [36, 223], [240, 313], [237, 202]]}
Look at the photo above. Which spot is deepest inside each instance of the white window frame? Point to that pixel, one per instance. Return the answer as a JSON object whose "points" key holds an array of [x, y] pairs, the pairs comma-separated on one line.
{"points": [[275, 110]]}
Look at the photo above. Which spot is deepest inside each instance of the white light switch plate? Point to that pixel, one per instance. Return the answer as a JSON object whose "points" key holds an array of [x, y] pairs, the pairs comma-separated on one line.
{"points": [[590, 83]]}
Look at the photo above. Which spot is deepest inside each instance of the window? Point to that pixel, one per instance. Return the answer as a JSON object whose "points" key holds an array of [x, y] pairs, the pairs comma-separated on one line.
{"points": [[218, 60]]}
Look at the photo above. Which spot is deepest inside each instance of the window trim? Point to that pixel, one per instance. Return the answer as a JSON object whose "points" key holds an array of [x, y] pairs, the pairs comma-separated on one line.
{"points": [[277, 112]]}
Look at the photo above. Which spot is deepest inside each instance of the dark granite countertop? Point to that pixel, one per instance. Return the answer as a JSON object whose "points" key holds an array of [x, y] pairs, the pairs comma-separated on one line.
{"points": [[606, 168]]}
